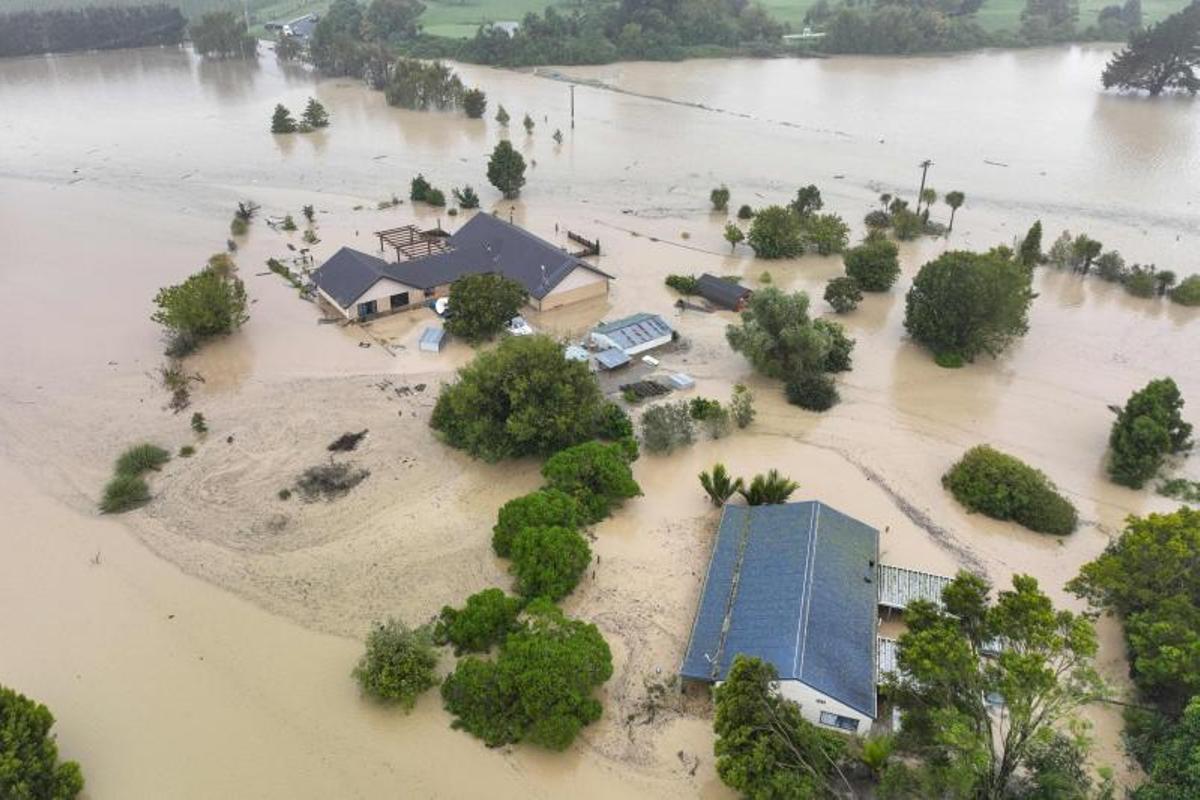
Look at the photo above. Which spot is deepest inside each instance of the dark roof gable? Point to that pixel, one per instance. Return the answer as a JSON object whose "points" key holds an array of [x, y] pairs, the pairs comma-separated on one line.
{"points": [[483, 244]]}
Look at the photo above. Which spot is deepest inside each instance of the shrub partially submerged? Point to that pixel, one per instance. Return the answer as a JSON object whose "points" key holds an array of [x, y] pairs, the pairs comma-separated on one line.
{"points": [[399, 663], [141, 458], [485, 620], [124, 492], [536, 509], [1005, 488], [549, 561], [330, 481]]}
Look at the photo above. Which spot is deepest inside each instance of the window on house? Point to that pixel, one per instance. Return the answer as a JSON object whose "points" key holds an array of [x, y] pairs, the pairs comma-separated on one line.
{"points": [[838, 721]]}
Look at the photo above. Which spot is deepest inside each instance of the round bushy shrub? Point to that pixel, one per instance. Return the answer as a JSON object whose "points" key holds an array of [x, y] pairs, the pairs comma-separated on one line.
{"points": [[546, 507], [874, 264], [815, 391], [548, 561], [141, 458], [399, 663], [843, 294], [1005, 488], [485, 620]]}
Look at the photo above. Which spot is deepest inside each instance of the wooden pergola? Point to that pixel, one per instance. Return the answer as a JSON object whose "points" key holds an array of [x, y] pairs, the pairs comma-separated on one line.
{"points": [[411, 242]]}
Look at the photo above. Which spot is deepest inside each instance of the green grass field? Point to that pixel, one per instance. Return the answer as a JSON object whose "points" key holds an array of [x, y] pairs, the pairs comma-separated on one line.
{"points": [[461, 18]]}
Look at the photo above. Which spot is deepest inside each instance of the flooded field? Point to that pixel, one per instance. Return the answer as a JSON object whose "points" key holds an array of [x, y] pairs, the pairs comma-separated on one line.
{"points": [[119, 173]]}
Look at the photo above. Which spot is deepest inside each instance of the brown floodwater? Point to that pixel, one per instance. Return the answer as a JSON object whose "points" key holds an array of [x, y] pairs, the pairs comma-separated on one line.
{"points": [[118, 174]]}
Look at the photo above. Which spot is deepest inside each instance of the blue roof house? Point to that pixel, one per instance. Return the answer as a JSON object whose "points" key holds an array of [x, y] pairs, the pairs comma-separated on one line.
{"points": [[633, 335], [794, 585]]}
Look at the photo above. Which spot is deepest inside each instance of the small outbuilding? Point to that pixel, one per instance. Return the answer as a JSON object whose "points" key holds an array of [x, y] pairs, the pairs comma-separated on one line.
{"points": [[723, 293], [794, 585], [634, 334]]}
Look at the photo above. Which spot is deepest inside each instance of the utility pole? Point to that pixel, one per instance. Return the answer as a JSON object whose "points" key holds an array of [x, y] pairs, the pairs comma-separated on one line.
{"points": [[924, 165], [572, 106]]}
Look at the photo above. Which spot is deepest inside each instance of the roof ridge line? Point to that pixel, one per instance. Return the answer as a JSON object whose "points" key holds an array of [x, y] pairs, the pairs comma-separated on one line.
{"points": [[743, 538]]}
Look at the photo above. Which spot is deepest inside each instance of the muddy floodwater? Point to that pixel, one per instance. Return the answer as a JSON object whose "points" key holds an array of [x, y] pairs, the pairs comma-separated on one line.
{"points": [[201, 646]]}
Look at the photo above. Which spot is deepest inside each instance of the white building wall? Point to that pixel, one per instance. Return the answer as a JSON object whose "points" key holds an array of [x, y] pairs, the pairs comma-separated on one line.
{"points": [[813, 702]]}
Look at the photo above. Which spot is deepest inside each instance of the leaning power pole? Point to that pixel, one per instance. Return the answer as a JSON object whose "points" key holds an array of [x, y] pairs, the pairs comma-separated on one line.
{"points": [[924, 165], [572, 106]]}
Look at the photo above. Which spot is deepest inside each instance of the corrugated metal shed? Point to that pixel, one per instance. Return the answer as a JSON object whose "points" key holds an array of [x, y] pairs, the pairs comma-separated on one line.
{"points": [[635, 334], [899, 586], [792, 584], [612, 358]]}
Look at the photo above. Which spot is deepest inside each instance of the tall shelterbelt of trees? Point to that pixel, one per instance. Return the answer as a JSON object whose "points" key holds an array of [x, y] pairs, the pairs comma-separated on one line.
{"points": [[25, 33]]}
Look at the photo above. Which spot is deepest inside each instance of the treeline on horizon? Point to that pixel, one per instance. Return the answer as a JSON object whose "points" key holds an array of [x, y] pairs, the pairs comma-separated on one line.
{"points": [[25, 33], [665, 30]]}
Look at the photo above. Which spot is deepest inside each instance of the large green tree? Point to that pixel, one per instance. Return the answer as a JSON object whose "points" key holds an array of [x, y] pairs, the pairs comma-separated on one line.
{"points": [[765, 749], [392, 20], [545, 507], [776, 232], [222, 34], [484, 621], [1148, 428], [506, 169], [481, 305], [1003, 487], [779, 338], [522, 398], [963, 304], [29, 765], [208, 303], [595, 474], [1150, 578], [1161, 58], [947, 677], [1172, 771], [540, 686], [874, 265]]}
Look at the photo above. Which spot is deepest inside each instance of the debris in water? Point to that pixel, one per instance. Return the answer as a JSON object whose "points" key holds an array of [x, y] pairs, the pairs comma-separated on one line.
{"points": [[346, 442]]}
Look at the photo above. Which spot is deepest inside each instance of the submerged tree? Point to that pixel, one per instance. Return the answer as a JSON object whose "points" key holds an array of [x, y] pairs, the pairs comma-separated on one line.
{"points": [[506, 169], [719, 197], [502, 116], [1030, 251], [776, 232], [466, 197], [29, 765], [282, 120], [733, 235], [315, 115], [474, 103], [1160, 58], [955, 201], [769, 489], [398, 665], [962, 304], [719, 485], [1148, 428]]}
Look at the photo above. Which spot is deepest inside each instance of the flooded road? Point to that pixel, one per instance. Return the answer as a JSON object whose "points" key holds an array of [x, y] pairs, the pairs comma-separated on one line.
{"points": [[119, 173]]}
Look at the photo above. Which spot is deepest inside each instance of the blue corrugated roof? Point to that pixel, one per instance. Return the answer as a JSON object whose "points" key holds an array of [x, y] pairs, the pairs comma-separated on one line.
{"points": [[792, 584], [612, 358]]}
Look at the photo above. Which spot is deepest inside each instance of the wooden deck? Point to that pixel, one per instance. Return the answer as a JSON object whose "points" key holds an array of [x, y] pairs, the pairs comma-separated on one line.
{"points": [[899, 586]]}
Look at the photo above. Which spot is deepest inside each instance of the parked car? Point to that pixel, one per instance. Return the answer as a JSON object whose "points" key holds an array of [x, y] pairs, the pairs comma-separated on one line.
{"points": [[517, 326]]}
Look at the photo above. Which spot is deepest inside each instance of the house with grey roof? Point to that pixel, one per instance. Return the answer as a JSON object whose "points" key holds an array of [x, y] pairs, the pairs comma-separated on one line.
{"points": [[633, 334], [794, 585], [360, 285]]}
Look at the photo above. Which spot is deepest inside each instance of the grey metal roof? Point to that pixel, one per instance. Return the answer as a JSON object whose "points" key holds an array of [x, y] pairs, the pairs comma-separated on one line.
{"points": [[720, 291], [635, 330], [489, 244], [794, 585], [612, 358], [484, 244], [347, 274]]}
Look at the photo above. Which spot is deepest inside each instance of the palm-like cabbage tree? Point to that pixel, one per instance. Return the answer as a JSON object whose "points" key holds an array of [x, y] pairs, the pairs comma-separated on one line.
{"points": [[928, 197], [954, 200], [769, 489], [719, 485]]}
